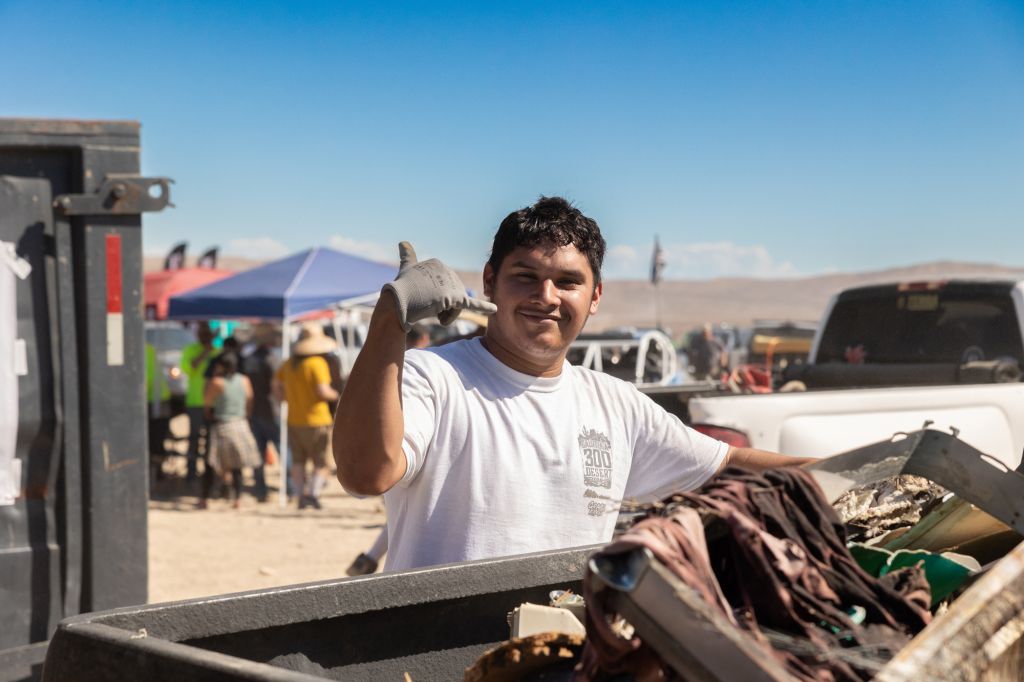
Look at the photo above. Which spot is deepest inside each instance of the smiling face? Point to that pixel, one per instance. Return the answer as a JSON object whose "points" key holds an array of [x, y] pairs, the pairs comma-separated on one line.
{"points": [[544, 296]]}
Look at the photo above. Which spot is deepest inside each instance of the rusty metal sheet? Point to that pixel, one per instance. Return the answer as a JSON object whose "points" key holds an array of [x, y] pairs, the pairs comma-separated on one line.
{"points": [[689, 635], [938, 456]]}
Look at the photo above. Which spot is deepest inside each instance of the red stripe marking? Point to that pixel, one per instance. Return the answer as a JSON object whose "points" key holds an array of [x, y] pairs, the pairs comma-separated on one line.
{"points": [[114, 302]]}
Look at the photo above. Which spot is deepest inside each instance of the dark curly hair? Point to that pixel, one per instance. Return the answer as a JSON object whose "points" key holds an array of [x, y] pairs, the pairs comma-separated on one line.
{"points": [[552, 221]]}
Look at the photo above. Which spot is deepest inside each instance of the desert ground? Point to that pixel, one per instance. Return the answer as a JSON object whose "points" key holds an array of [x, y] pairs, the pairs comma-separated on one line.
{"points": [[197, 553]]}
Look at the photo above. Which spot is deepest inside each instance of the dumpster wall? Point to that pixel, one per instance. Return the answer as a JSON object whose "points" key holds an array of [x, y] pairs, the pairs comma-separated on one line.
{"points": [[75, 539], [431, 623]]}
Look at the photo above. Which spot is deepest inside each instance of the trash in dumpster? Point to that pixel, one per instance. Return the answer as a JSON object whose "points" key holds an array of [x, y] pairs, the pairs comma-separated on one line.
{"points": [[944, 572], [884, 506], [546, 656], [531, 619], [564, 613], [956, 525], [682, 629], [567, 599], [767, 554]]}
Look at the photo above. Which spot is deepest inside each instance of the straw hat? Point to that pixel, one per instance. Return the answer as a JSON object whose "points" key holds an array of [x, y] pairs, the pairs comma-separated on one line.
{"points": [[479, 319], [313, 341]]}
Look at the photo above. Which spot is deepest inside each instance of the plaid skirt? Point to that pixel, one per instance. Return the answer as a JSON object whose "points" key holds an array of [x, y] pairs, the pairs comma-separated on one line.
{"points": [[232, 446]]}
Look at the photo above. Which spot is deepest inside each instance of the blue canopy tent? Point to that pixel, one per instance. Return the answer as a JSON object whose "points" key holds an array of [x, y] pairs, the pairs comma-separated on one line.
{"points": [[311, 280], [308, 281]]}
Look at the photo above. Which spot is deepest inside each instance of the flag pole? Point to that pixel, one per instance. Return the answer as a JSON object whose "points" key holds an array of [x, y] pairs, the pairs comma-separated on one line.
{"points": [[657, 265], [657, 307]]}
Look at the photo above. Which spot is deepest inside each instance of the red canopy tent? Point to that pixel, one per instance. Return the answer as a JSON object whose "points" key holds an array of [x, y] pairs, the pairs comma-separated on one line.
{"points": [[158, 287]]}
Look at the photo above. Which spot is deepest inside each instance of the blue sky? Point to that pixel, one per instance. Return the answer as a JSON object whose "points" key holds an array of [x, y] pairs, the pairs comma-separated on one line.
{"points": [[766, 139]]}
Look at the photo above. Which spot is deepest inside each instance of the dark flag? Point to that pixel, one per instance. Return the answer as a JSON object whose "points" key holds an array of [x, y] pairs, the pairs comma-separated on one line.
{"points": [[657, 262], [176, 258], [208, 259]]}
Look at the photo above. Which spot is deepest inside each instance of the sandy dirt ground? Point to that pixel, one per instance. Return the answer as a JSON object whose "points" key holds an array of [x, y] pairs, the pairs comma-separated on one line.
{"points": [[196, 553]]}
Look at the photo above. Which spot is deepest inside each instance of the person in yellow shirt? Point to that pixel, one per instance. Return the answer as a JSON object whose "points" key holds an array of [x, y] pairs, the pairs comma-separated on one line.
{"points": [[304, 382]]}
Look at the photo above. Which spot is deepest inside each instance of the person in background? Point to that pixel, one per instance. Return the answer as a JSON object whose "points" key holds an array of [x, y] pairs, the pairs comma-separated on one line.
{"points": [[260, 367], [304, 382], [158, 393], [367, 562], [228, 401], [229, 345], [195, 358], [708, 356]]}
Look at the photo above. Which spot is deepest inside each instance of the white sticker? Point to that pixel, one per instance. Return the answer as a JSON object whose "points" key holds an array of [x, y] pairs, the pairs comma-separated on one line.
{"points": [[18, 265], [20, 358], [10, 482], [115, 339]]}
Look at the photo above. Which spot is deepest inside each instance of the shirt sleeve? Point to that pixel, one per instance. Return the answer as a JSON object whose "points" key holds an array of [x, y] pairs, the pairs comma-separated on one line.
{"points": [[419, 410], [668, 456], [320, 371]]}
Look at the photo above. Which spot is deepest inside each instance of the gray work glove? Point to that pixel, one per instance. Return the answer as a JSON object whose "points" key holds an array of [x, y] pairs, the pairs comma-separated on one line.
{"points": [[430, 288]]}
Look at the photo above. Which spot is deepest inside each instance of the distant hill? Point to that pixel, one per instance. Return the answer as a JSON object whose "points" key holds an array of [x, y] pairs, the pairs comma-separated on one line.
{"points": [[154, 263], [685, 304]]}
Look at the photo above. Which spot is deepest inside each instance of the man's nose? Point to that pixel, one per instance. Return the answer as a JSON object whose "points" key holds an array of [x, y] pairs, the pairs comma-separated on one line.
{"points": [[548, 292]]}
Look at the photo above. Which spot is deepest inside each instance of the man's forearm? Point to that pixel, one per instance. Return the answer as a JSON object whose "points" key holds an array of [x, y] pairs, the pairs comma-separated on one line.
{"points": [[751, 458], [368, 427]]}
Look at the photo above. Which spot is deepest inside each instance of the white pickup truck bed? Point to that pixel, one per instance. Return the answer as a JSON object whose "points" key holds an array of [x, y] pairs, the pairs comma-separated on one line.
{"points": [[947, 322], [990, 417]]}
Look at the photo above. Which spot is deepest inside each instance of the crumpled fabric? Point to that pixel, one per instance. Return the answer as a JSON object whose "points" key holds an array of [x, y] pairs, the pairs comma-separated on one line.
{"points": [[767, 552]]}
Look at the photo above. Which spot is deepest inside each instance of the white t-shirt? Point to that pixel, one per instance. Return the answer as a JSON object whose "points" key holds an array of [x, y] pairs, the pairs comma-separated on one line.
{"points": [[503, 463]]}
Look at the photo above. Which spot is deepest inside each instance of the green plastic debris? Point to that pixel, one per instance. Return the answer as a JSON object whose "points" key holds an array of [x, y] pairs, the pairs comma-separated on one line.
{"points": [[944, 572]]}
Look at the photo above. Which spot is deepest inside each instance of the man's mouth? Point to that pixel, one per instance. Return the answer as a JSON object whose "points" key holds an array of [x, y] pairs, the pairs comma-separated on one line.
{"points": [[539, 317]]}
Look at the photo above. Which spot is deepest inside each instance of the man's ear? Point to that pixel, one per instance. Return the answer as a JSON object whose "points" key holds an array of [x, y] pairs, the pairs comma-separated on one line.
{"points": [[488, 281], [595, 298]]}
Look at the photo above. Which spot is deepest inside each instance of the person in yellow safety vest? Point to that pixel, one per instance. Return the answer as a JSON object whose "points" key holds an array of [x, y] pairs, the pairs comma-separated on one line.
{"points": [[158, 394], [195, 358]]}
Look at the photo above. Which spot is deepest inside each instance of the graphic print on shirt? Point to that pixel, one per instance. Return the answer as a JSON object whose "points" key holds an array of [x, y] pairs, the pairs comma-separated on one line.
{"points": [[597, 458], [598, 504]]}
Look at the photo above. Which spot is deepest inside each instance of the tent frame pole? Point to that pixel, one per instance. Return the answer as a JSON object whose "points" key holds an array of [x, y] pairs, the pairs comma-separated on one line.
{"points": [[284, 461]]}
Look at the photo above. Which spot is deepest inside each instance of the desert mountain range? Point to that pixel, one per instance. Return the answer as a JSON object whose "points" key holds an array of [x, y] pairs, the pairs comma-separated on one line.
{"points": [[684, 304]]}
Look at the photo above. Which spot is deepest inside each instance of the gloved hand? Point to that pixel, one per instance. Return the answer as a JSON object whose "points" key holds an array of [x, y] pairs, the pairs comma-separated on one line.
{"points": [[430, 288]]}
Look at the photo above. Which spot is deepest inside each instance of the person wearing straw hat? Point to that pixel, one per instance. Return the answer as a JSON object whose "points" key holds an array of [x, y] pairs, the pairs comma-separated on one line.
{"points": [[304, 382]]}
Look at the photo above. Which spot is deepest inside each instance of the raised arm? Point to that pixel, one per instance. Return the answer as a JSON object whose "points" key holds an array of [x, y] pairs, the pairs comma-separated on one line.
{"points": [[750, 458], [369, 425]]}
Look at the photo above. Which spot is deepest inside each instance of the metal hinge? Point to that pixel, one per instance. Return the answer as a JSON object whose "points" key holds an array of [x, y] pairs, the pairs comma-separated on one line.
{"points": [[120, 194]]}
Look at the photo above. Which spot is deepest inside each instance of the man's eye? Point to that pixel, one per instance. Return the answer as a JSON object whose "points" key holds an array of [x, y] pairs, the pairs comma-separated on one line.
{"points": [[526, 276], [568, 283]]}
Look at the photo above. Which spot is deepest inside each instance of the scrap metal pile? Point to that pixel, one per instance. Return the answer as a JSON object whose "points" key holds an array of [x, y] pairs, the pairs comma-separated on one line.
{"points": [[792, 574]]}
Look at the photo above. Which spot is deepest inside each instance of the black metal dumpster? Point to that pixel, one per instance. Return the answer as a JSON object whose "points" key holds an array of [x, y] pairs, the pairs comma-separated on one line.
{"points": [[74, 539], [431, 623]]}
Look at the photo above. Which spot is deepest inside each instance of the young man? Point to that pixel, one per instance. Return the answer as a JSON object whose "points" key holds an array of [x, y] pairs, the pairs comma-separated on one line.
{"points": [[497, 446]]}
